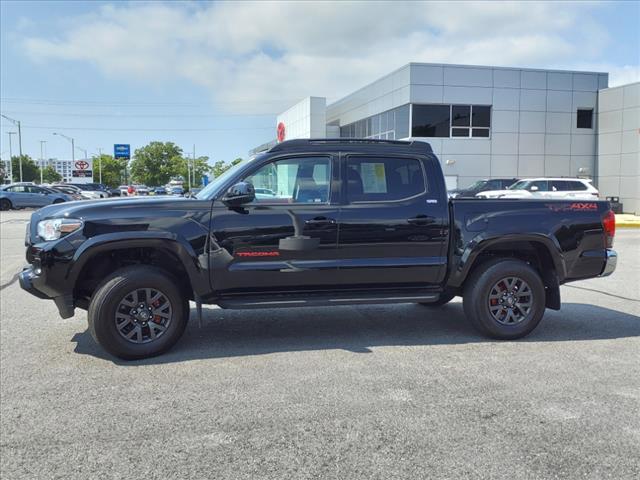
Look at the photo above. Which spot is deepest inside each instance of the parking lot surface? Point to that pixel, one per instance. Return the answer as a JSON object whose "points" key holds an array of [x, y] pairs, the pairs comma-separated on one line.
{"points": [[399, 391]]}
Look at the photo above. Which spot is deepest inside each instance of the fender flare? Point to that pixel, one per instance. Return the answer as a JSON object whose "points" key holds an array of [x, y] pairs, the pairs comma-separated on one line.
{"points": [[483, 242], [198, 276]]}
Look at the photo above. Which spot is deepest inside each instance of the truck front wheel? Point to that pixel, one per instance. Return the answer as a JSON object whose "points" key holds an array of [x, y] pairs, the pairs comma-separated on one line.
{"points": [[138, 312], [504, 299]]}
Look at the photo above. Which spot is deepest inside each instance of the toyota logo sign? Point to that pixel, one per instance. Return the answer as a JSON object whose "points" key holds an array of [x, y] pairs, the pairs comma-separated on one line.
{"points": [[281, 132], [82, 165]]}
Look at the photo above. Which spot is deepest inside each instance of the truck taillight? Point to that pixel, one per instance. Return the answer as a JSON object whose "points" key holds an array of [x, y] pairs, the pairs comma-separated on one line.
{"points": [[609, 227]]}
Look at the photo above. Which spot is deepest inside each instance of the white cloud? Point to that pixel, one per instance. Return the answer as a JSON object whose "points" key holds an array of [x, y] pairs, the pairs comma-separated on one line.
{"points": [[248, 53]]}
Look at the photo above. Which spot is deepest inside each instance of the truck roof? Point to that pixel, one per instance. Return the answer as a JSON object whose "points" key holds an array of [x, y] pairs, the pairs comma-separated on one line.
{"points": [[360, 144]]}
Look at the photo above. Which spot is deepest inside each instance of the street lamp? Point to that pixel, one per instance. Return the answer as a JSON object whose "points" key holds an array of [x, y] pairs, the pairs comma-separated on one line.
{"points": [[10, 156], [42, 143], [17, 123], [73, 145]]}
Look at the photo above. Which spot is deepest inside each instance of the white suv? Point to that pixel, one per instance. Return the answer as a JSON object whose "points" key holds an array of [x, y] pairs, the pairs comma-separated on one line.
{"points": [[578, 188]]}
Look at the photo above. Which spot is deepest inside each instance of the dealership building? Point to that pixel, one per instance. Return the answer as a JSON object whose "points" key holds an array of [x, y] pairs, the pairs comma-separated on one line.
{"points": [[485, 122]]}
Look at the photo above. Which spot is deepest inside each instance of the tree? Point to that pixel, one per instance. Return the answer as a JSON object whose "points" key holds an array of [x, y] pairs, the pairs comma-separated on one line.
{"points": [[30, 170], [221, 166], [200, 167], [156, 163], [49, 175], [112, 170]]}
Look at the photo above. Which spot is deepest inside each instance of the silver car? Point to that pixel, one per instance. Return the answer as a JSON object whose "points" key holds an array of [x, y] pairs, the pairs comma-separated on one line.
{"points": [[22, 195]]}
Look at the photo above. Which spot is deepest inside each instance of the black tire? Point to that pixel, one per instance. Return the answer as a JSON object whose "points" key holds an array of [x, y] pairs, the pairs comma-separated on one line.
{"points": [[5, 204], [58, 200], [477, 301], [443, 300], [108, 297]]}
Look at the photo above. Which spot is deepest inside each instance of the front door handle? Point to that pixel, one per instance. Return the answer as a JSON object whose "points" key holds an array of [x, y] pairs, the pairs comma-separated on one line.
{"points": [[421, 220], [320, 221]]}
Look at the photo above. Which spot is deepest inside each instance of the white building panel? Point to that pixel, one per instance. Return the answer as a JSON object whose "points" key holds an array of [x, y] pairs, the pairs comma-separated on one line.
{"points": [[610, 100], [557, 165], [557, 144], [559, 81], [629, 164], [468, 146], [583, 144], [585, 100], [427, 94], [609, 122], [585, 82], [558, 122], [531, 166], [504, 143], [532, 122], [468, 76], [608, 165], [609, 143], [504, 121], [531, 144], [427, 75], [559, 101], [504, 165], [506, 99], [506, 78], [470, 95], [583, 165], [631, 95], [533, 79], [533, 100]]}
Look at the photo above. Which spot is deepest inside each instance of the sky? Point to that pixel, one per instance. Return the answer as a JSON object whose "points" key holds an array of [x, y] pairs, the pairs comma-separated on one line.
{"points": [[214, 75]]}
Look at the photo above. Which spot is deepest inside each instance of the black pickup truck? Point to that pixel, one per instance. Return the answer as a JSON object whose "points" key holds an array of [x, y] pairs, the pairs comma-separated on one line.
{"points": [[312, 223]]}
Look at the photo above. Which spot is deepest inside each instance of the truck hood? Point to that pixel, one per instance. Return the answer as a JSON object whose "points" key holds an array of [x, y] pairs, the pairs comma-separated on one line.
{"points": [[117, 207]]}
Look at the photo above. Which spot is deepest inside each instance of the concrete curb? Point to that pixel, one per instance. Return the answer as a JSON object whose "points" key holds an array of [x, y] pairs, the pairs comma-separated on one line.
{"points": [[627, 221]]}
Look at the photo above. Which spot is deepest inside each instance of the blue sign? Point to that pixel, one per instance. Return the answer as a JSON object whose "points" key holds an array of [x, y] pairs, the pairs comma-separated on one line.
{"points": [[121, 150]]}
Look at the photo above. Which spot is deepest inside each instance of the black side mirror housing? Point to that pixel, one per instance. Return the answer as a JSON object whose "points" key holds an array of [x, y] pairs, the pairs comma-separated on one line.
{"points": [[240, 194]]}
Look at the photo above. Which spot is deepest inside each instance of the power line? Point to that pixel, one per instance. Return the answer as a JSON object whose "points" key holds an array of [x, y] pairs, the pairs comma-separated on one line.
{"points": [[40, 127], [143, 115], [39, 101]]}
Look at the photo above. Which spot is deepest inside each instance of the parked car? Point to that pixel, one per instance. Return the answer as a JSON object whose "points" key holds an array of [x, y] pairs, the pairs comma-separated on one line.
{"points": [[126, 190], [114, 192], [21, 195], [160, 191], [74, 193], [141, 190], [482, 186], [570, 188], [90, 190], [387, 234], [176, 191]]}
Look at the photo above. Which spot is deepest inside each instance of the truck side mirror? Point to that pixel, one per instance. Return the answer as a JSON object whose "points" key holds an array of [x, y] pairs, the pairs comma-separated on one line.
{"points": [[240, 194]]}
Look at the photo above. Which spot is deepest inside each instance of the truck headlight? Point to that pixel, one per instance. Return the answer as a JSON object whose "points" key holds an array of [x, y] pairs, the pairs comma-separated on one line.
{"points": [[57, 227]]}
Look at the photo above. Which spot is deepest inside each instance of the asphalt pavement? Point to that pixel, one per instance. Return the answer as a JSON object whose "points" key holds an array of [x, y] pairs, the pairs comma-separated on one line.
{"points": [[399, 391]]}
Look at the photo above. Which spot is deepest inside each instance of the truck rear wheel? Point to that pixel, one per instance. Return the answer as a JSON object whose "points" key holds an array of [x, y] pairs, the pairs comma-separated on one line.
{"points": [[138, 312], [504, 299]]}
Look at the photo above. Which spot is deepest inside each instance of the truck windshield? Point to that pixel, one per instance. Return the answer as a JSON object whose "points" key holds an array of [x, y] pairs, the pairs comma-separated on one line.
{"points": [[210, 190]]}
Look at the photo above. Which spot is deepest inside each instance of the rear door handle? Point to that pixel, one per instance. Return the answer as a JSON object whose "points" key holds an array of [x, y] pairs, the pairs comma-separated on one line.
{"points": [[320, 221], [421, 220]]}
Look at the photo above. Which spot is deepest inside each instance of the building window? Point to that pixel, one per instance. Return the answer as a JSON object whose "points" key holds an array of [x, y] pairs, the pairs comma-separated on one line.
{"points": [[454, 121], [389, 125], [431, 121], [585, 118]]}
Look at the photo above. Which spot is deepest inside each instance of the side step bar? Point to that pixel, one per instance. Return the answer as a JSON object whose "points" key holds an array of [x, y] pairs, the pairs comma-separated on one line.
{"points": [[326, 300]]}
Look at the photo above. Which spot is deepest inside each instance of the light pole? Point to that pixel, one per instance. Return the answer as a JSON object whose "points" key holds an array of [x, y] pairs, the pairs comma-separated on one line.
{"points": [[17, 123], [10, 156], [100, 160], [42, 142], [73, 148]]}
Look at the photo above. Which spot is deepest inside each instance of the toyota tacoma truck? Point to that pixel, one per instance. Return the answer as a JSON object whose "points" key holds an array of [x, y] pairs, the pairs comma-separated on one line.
{"points": [[337, 222]]}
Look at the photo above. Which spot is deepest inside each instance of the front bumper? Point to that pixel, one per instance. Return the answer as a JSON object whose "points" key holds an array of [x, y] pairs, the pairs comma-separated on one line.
{"points": [[611, 260], [30, 280]]}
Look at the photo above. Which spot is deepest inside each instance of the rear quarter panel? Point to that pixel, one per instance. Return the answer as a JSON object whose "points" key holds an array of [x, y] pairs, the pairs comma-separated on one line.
{"points": [[567, 228]]}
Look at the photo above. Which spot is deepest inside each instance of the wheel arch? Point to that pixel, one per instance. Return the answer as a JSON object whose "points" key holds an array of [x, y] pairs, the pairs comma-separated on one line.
{"points": [[538, 251], [99, 256]]}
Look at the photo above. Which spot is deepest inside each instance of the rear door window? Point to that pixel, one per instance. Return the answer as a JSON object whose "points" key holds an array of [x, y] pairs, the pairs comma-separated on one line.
{"points": [[577, 186], [380, 179], [560, 186]]}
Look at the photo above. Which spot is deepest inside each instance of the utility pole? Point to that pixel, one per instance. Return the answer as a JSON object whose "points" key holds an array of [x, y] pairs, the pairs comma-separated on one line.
{"points": [[193, 165], [17, 123], [100, 160], [10, 157], [42, 142]]}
